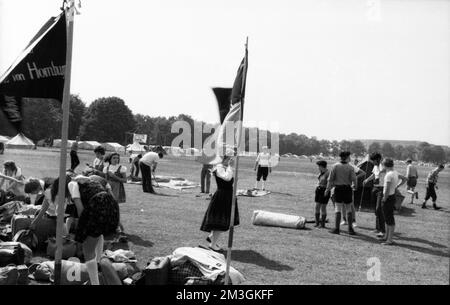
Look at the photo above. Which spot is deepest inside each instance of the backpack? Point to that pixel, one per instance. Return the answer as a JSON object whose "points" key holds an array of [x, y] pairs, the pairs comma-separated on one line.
{"points": [[26, 237]]}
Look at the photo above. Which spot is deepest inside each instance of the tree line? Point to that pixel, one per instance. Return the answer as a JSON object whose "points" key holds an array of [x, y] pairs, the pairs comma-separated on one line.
{"points": [[108, 119]]}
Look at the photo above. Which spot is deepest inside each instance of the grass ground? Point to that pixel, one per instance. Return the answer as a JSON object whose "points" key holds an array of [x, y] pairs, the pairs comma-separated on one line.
{"points": [[157, 225]]}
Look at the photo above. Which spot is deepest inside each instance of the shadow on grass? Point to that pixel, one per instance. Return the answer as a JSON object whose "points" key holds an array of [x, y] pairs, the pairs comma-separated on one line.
{"points": [[423, 241], [424, 250], [406, 212], [281, 193], [137, 240], [255, 258]]}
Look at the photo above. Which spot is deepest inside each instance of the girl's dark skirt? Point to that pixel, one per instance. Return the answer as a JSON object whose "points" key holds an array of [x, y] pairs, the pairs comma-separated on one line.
{"points": [[99, 217], [218, 214]]}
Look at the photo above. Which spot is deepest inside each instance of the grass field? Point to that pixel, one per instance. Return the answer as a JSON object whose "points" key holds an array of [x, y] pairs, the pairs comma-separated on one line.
{"points": [[157, 225]]}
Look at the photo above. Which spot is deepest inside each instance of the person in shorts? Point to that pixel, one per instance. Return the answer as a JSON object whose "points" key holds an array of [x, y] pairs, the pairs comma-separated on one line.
{"points": [[412, 176], [262, 167], [342, 177], [390, 186], [320, 199]]}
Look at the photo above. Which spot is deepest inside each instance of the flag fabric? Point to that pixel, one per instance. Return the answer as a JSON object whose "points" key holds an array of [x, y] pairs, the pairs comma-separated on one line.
{"points": [[223, 96], [38, 72], [228, 135]]}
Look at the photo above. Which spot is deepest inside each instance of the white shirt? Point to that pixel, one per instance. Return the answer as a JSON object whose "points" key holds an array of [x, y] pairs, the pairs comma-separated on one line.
{"points": [[114, 168], [391, 177], [377, 171], [19, 189], [150, 158], [74, 190], [224, 173], [263, 159]]}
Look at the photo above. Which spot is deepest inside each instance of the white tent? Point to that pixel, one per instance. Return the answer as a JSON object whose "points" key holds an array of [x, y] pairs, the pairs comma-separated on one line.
{"points": [[135, 147], [89, 145], [57, 143], [113, 147], [20, 141], [4, 139]]}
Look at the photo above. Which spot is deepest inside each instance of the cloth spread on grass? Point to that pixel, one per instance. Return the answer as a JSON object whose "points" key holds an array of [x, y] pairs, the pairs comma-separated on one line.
{"points": [[175, 183], [252, 193]]}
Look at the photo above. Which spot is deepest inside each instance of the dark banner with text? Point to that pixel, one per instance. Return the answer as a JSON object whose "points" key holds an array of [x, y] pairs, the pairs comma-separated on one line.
{"points": [[38, 72]]}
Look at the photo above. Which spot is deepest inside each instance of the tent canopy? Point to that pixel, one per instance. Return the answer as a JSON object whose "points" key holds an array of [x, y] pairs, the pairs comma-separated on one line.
{"points": [[89, 145], [4, 139], [135, 147], [113, 147], [20, 141]]}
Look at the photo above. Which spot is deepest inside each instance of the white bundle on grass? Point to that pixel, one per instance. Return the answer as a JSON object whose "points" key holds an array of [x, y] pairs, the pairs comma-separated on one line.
{"points": [[264, 218]]}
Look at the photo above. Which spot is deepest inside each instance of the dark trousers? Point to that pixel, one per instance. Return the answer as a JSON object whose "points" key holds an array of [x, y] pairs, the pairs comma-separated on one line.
{"points": [[431, 192], [377, 195], [136, 169], [146, 173], [205, 179], [74, 161]]}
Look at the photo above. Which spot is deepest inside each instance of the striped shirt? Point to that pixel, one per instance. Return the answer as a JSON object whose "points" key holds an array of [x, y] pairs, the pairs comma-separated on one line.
{"points": [[433, 176]]}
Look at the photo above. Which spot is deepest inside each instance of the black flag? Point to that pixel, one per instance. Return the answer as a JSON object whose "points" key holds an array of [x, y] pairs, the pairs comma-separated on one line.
{"points": [[223, 96], [38, 72]]}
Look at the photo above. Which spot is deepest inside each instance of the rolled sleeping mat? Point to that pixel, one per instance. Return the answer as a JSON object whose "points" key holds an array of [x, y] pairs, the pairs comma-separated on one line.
{"points": [[264, 218]]}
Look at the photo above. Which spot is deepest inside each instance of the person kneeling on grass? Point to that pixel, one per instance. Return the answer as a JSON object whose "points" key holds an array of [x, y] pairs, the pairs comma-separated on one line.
{"points": [[320, 198], [99, 216], [391, 184], [431, 187], [342, 175]]}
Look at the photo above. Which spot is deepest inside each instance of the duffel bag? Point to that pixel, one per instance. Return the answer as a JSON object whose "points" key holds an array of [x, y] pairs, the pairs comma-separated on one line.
{"points": [[11, 253]]}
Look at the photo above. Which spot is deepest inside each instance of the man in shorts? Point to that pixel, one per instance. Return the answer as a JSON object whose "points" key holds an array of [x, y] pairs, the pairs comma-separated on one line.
{"points": [[342, 177], [412, 176]]}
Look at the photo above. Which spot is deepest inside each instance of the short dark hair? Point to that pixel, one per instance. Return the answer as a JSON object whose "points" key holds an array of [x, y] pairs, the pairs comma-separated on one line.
{"points": [[32, 186], [375, 156], [160, 155], [409, 161], [55, 186], [322, 163], [11, 165], [344, 155], [388, 162], [100, 150], [441, 166]]}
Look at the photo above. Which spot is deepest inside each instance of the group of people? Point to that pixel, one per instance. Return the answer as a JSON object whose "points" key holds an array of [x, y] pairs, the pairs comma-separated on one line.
{"points": [[342, 179]]}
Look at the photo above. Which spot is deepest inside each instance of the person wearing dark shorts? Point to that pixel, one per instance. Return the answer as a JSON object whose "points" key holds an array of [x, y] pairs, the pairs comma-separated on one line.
{"points": [[263, 167], [342, 178], [431, 187], [412, 176], [320, 198], [391, 184]]}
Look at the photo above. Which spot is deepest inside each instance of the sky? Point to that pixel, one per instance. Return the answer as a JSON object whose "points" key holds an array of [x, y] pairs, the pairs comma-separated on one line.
{"points": [[348, 69]]}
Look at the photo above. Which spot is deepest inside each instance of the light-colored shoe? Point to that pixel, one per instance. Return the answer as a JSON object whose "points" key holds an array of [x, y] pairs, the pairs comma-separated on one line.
{"points": [[354, 225], [380, 234], [343, 223]]}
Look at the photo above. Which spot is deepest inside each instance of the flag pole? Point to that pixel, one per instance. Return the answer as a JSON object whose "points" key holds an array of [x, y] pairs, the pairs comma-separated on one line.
{"points": [[69, 9], [233, 200]]}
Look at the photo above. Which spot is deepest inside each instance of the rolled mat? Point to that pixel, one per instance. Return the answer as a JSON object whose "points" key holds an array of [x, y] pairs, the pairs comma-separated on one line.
{"points": [[264, 218]]}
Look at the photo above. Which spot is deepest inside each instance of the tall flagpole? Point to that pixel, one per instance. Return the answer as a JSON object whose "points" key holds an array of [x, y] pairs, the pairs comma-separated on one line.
{"points": [[233, 200], [69, 8]]}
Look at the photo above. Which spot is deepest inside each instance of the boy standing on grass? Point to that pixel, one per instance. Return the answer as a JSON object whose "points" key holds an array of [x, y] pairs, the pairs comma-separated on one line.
{"points": [[342, 176], [431, 187], [320, 198], [411, 175], [391, 184]]}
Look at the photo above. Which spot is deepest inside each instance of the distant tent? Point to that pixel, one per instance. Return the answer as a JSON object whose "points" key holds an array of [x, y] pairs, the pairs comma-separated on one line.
{"points": [[89, 145], [4, 139], [136, 147], [113, 147], [21, 142], [57, 143]]}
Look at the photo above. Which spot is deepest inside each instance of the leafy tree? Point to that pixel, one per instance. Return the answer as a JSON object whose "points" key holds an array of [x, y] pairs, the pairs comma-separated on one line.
{"points": [[41, 118], [399, 151], [345, 145], [374, 147], [388, 150], [357, 147], [107, 120], [77, 109], [433, 153]]}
